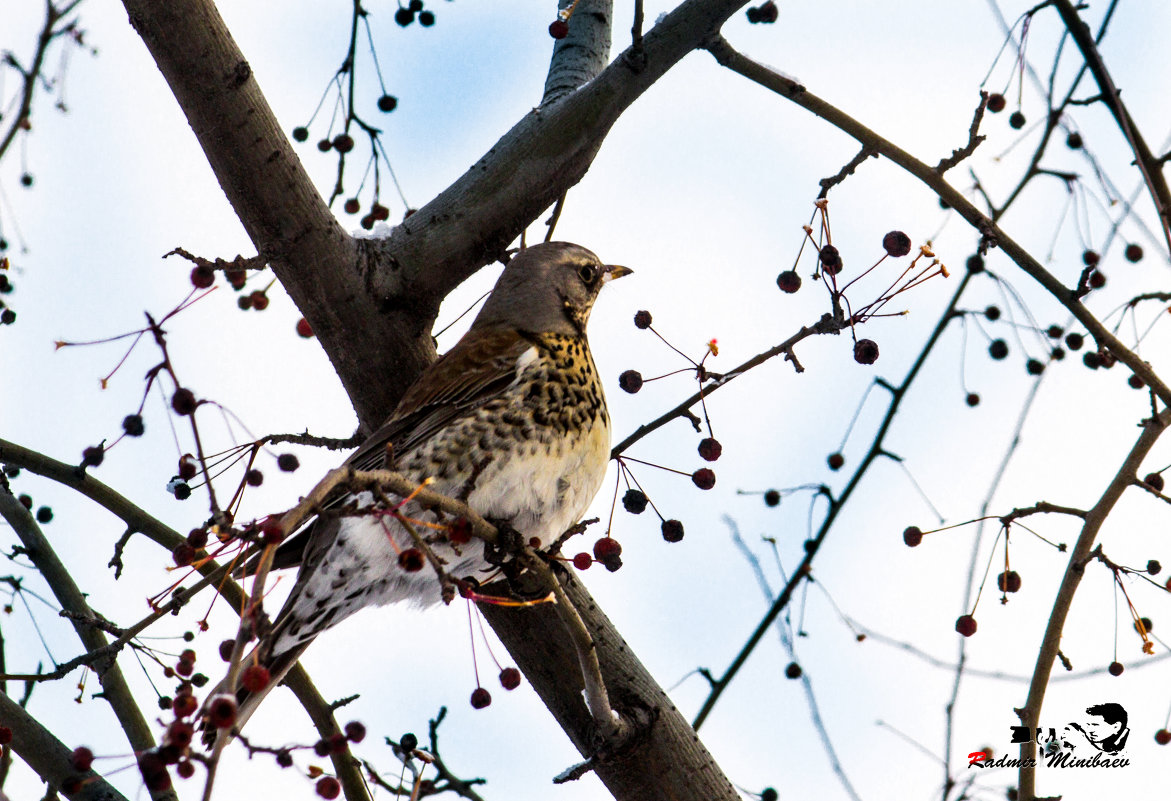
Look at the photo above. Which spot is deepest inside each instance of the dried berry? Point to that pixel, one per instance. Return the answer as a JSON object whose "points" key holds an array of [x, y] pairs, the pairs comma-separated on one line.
{"points": [[672, 530], [998, 349], [259, 300], [1133, 252], [1135, 382], [480, 698], [608, 552], [93, 456], [1074, 141], [510, 678], [411, 560], [996, 102], [1008, 581], [1016, 120], [582, 561], [202, 276], [287, 462], [789, 282], [835, 461], [183, 555], [408, 742], [630, 381], [1154, 481], [255, 678], [387, 103], [966, 625], [992, 313], [1153, 567], [183, 401], [642, 319], [226, 648], [1115, 668], [81, 759], [254, 478], [972, 399], [896, 244], [1097, 279], [45, 514], [710, 449], [154, 771], [1162, 737], [352, 206], [792, 671], [1074, 341], [132, 425], [559, 29], [404, 17], [975, 263], [912, 536], [704, 478], [355, 731], [1090, 257], [772, 497], [831, 260], [866, 351], [634, 501], [327, 786], [1034, 367], [284, 759], [426, 19], [300, 133]]}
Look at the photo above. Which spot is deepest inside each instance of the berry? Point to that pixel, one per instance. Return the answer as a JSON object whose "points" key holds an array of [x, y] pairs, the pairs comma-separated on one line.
{"points": [[972, 399], [966, 625], [81, 759], [704, 478], [183, 402], [181, 491], [1057, 354], [831, 260], [404, 17], [154, 771], [321, 748], [202, 277], [1034, 367], [481, 698], [710, 449], [355, 731], [132, 425], [1074, 341], [1162, 737], [789, 281], [1090, 257], [379, 212], [226, 648], [324, 145], [1074, 141], [328, 786], [184, 705], [44, 514], [559, 29], [1153, 567], [996, 102], [411, 560], [287, 462], [300, 133], [866, 351], [93, 456], [1115, 668], [992, 313], [187, 468], [772, 498], [792, 671], [1097, 279], [284, 759], [1092, 359], [259, 300], [367, 222], [26, 501], [835, 461], [183, 554], [460, 531], [1009, 581], [244, 302], [896, 244], [1147, 625], [510, 678], [642, 319], [1133, 252], [768, 12], [1016, 120], [237, 278], [583, 561], [608, 552], [8, 317], [221, 711], [255, 678], [254, 478], [343, 143], [185, 769], [304, 330], [426, 19], [634, 501], [408, 742], [672, 530], [180, 733], [1136, 382], [630, 381], [352, 205], [26, 179], [998, 349], [975, 263], [387, 103], [753, 14], [912, 536]]}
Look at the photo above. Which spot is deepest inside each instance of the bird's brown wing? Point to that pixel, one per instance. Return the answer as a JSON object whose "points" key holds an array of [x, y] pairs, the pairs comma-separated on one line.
{"points": [[479, 368]]}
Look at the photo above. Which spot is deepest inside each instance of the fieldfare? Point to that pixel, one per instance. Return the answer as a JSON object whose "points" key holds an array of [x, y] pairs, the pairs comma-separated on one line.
{"points": [[512, 420]]}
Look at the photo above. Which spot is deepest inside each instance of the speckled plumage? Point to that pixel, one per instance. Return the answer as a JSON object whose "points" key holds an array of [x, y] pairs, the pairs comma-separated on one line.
{"points": [[511, 420]]}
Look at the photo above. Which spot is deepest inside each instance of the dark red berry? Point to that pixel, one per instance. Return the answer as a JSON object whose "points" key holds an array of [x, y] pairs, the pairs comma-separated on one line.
{"points": [[608, 552], [1162, 736], [789, 282], [244, 302], [768, 12], [831, 260], [327, 786], [387, 103], [185, 769], [1074, 341], [379, 212], [792, 671], [44, 514], [996, 102], [352, 206], [582, 561], [26, 501], [634, 501], [237, 278], [1116, 668], [1154, 481], [404, 17], [81, 759], [772, 498], [1153, 567], [321, 748], [411, 560], [355, 731], [510, 678], [259, 300], [304, 330], [998, 349], [1135, 382], [672, 530], [284, 759], [180, 733], [183, 401], [972, 399], [287, 462], [221, 711], [1133, 252], [1097, 279], [1145, 623], [183, 554], [426, 19], [966, 625], [408, 742], [184, 705], [1074, 141], [630, 381], [300, 133], [866, 351], [367, 221], [255, 678], [459, 531], [154, 771], [1009, 581], [1016, 120], [93, 456], [710, 449], [132, 425], [704, 478], [642, 319], [1034, 367], [202, 277], [1090, 257], [481, 698], [912, 536], [896, 244], [226, 648], [271, 531], [5, 735], [254, 478], [835, 461], [559, 29], [992, 313], [975, 263]]}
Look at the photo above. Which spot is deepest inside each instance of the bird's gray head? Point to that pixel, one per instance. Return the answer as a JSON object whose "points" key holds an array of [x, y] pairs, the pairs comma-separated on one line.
{"points": [[548, 288]]}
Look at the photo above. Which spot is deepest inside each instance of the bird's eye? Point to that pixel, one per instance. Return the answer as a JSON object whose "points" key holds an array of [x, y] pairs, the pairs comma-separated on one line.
{"points": [[587, 273]]}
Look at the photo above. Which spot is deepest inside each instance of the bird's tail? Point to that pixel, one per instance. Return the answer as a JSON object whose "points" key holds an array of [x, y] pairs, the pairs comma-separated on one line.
{"points": [[218, 715]]}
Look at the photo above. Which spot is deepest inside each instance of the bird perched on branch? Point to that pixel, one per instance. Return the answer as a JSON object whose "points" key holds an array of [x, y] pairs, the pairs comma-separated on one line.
{"points": [[512, 420]]}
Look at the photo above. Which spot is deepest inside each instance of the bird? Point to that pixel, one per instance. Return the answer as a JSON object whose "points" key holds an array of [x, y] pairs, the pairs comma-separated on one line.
{"points": [[512, 420]]}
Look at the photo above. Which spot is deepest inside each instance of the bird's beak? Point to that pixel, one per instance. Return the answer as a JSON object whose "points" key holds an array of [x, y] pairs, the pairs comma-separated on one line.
{"points": [[613, 271]]}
